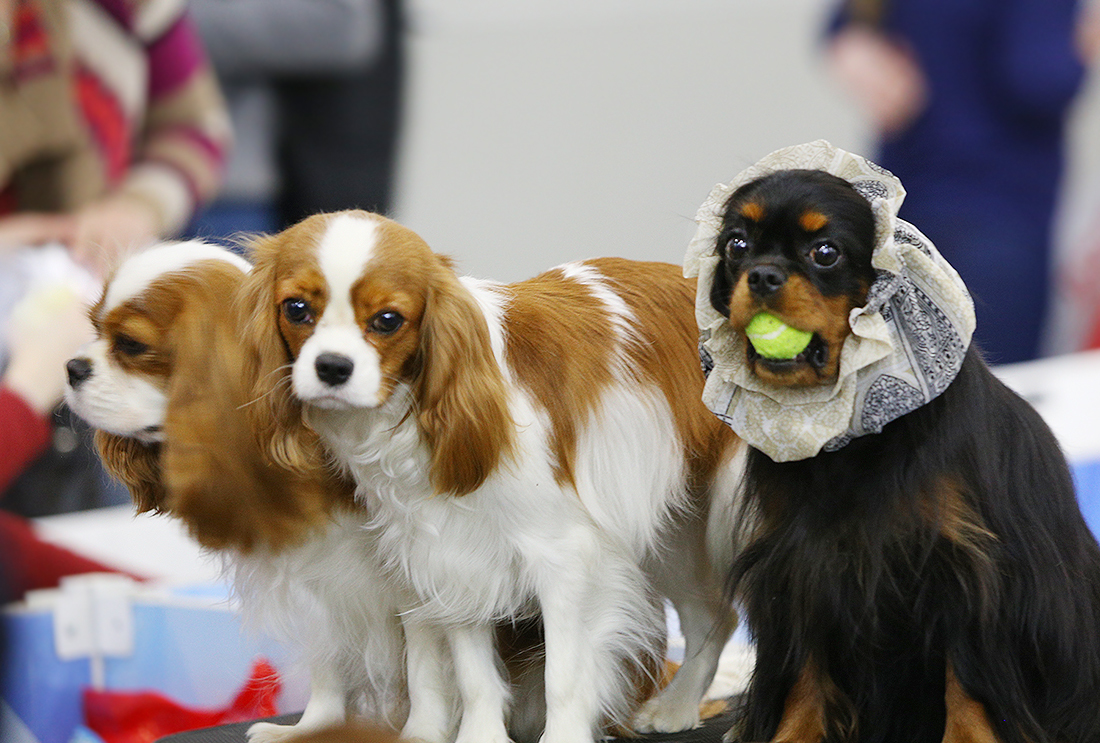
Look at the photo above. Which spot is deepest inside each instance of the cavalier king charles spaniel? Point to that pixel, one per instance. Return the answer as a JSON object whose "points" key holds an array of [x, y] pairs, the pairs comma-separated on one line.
{"points": [[166, 384], [931, 582], [536, 449]]}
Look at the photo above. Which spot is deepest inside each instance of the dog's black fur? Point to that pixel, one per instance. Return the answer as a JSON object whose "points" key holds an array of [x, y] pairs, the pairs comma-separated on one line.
{"points": [[950, 543], [778, 239]]}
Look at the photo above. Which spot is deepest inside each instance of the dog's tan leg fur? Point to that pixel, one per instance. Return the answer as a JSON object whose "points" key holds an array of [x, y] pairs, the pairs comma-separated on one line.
{"points": [[804, 711], [967, 721]]}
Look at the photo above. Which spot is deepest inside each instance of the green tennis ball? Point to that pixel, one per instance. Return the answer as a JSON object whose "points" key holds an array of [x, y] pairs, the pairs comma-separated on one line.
{"points": [[774, 339]]}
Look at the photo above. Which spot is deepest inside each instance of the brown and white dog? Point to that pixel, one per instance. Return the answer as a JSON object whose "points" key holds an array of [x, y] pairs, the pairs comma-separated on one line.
{"points": [[164, 384], [538, 447]]}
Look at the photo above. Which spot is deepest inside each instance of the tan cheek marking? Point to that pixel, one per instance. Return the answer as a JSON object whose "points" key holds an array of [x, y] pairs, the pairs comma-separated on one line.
{"points": [[390, 283], [753, 210], [812, 221], [304, 283], [295, 336], [743, 304], [803, 306], [800, 305], [397, 354]]}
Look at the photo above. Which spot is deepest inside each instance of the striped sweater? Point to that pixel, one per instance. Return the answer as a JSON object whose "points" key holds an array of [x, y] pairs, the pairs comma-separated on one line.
{"points": [[107, 96]]}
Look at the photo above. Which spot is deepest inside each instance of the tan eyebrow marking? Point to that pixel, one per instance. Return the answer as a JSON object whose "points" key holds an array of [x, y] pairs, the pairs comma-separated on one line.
{"points": [[753, 210], [812, 221]]}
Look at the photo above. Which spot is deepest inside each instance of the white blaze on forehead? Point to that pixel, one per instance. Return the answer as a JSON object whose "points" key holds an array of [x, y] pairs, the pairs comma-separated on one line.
{"points": [[139, 271], [346, 247]]}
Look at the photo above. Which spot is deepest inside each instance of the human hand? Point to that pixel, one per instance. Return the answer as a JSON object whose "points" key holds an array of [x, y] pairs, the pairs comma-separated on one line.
{"points": [[7, 13], [46, 329], [95, 234], [107, 227], [34, 228], [882, 75], [1088, 35]]}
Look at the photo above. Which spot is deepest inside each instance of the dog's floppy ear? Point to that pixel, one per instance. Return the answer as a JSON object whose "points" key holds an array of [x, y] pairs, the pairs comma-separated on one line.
{"points": [[135, 465], [216, 477], [721, 288], [275, 413], [463, 401]]}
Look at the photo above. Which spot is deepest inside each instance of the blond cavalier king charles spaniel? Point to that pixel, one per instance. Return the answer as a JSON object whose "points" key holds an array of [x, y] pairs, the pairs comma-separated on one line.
{"points": [[537, 449], [166, 384]]}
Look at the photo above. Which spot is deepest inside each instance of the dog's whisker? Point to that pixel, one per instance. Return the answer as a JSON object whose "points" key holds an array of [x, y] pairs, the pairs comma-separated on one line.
{"points": [[283, 381]]}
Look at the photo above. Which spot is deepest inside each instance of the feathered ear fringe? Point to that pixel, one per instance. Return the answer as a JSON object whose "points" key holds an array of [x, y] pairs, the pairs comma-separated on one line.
{"points": [[135, 465], [273, 410], [463, 400], [218, 479]]}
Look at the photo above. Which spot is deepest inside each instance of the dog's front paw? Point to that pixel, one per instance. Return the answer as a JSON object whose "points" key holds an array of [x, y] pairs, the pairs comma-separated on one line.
{"points": [[424, 734], [663, 714], [486, 736], [571, 732], [269, 732]]}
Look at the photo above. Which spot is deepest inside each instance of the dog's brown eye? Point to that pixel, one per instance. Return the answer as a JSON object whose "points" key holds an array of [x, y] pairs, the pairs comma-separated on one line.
{"points": [[297, 311], [824, 255], [386, 322], [127, 346]]}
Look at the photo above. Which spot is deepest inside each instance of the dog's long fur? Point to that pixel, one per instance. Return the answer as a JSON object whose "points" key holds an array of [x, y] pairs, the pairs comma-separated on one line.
{"points": [[532, 448], [932, 582], [166, 384]]}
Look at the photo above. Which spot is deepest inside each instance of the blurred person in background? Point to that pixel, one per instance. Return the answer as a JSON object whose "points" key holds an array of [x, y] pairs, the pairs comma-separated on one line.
{"points": [[112, 129], [31, 387], [1080, 275], [45, 330], [314, 89], [969, 101], [112, 133]]}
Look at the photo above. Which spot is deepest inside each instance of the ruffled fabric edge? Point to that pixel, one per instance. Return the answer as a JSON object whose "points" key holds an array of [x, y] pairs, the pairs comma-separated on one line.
{"points": [[907, 341]]}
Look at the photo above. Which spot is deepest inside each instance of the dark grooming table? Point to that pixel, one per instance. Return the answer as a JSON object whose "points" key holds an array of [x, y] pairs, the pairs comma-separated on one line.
{"points": [[711, 731]]}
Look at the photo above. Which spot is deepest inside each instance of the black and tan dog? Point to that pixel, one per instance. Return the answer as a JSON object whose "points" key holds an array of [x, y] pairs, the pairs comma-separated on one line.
{"points": [[934, 581]]}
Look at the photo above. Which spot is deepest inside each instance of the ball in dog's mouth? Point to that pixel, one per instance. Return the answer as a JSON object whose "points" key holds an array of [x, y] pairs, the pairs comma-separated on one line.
{"points": [[774, 339], [815, 354]]}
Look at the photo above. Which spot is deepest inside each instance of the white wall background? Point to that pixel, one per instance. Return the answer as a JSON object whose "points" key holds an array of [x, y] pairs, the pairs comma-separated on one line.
{"points": [[540, 131]]}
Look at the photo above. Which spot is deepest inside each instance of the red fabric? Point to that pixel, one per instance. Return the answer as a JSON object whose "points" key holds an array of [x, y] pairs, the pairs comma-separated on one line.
{"points": [[8, 203], [142, 717], [24, 434], [1093, 339], [107, 123], [30, 45], [30, 564]]}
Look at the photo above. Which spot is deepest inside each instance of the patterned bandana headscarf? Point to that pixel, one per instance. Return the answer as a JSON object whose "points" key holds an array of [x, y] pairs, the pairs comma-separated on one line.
{"points": [[906, 346]]}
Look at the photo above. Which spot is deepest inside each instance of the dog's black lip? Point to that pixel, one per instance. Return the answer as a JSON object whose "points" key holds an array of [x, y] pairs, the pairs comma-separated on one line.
{"points": [[810, 356]]}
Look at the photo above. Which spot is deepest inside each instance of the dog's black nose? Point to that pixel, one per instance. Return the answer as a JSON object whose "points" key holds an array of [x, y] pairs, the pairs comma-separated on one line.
{"points": [[333, 369], [766, 279], [78, 369]]}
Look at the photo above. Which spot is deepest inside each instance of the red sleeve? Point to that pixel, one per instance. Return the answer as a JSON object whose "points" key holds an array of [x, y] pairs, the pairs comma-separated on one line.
{"points": [[30, 563], [24, 434]]}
